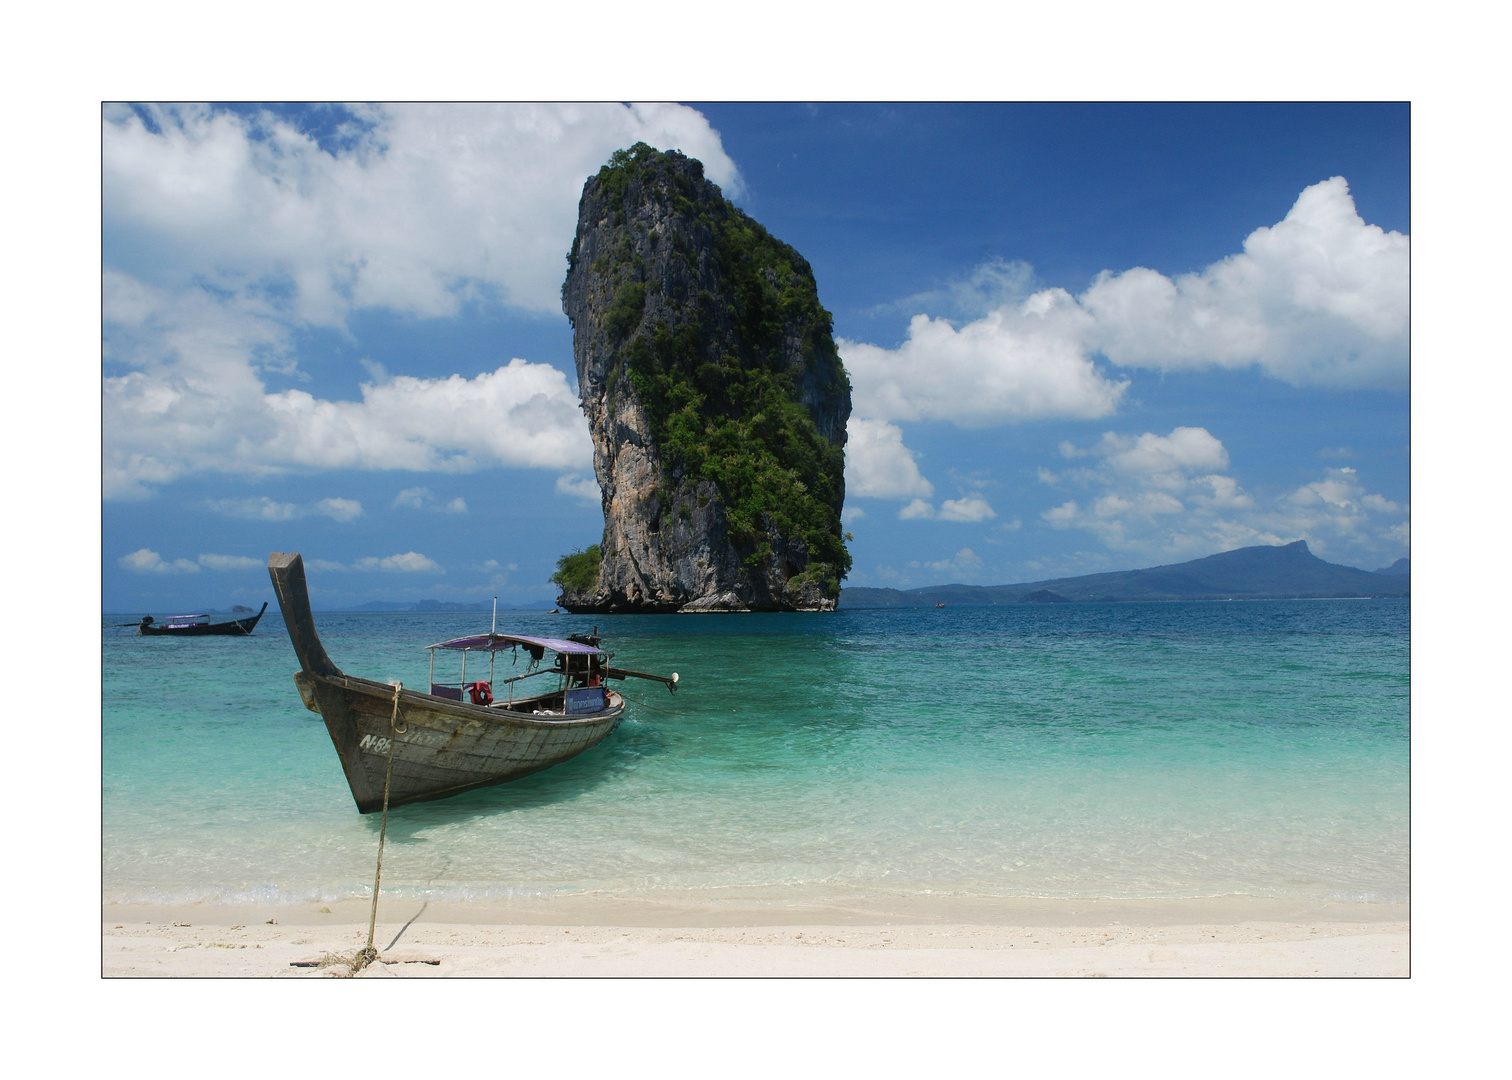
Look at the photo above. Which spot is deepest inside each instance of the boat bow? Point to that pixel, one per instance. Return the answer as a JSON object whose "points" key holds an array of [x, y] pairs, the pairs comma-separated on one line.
{"points": [[439, 746], [287, 572]]}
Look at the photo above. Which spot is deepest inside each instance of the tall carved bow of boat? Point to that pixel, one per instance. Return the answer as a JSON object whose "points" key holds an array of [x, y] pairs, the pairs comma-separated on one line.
{"points": [[460, 735]]}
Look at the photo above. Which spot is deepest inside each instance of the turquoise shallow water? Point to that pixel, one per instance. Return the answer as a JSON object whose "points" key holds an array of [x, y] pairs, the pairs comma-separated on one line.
{"points": [[1123, 750]]}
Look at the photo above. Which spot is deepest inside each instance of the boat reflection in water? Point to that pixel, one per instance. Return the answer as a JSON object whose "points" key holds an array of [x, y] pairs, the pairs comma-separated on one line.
{"points": [[458, 736]]}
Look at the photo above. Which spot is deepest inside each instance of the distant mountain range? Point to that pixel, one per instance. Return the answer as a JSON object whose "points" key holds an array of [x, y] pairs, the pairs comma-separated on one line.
{"points": [[1289, 571]]}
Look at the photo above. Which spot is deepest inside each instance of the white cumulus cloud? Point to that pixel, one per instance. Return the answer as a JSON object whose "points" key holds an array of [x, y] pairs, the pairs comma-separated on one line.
{"points": [[1169, 497], [964, 561], [411, 562], [522, 414], [263, 508], [339, 509], [414, 207], [147, 561], [1320, 298], [1020, 362], [196, 407], [583, 488], [230, 562], [1161, 459], [878, 465], [422, 498], [227, 236], [967, 508]]}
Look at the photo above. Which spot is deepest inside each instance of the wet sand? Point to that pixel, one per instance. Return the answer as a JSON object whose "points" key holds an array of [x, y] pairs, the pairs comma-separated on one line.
{"points": [[591, 937]]}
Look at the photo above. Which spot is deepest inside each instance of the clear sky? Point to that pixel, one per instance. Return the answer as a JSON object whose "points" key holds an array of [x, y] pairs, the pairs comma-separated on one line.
{"points": [[1080, 337]]}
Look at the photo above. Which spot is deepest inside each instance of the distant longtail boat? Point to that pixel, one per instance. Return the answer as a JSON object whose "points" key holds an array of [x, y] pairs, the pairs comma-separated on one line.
{"points": [[456, 737], [197, 626]]}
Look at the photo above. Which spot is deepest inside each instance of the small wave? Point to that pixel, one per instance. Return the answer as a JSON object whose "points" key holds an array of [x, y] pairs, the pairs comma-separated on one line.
{"points": [[280, 896]]}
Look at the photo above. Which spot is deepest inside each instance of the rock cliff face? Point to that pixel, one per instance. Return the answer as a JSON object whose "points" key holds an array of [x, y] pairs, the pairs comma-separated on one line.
{"points": [[715, 396]]}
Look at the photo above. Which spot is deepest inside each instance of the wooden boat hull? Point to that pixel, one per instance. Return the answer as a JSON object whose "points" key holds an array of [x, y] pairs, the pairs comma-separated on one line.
{"points": [[235, 628], [441, 747]]}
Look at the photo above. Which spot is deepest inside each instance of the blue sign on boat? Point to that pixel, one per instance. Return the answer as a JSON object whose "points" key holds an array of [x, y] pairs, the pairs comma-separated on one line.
{"points": [[585, 699]]}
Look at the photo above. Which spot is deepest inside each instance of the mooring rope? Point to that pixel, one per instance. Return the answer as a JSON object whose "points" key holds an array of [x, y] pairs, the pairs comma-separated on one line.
{"points": [[368, 953], [653, 708]]}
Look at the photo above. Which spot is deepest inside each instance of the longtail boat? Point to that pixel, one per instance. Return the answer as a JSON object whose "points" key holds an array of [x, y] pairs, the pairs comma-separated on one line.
{"points": [[457, 736], [197, 625]]}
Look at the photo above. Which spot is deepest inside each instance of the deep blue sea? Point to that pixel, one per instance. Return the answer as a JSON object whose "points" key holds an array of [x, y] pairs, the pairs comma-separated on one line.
{"points": [[1154, 750]]}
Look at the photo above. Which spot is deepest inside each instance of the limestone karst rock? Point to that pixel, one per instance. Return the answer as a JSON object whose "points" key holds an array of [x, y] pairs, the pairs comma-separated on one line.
{"points": [[716, 399]]}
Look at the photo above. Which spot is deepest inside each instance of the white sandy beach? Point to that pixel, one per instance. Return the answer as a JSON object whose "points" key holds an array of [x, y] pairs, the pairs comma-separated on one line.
{"points": [[601, 939]]}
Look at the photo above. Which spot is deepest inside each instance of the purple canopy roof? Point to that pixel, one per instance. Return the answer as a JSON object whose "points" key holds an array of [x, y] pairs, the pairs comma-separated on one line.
{"points": [[495, 642]]}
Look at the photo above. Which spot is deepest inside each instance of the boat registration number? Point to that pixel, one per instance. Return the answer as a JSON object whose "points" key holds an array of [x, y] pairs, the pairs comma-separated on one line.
{"points": [[377, 744]]}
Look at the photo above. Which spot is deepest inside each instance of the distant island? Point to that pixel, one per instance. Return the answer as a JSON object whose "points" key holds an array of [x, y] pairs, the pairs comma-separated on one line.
{"points": [[1284, 572]]}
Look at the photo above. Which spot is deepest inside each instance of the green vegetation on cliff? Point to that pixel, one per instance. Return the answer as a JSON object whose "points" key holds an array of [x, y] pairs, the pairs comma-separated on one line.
{"points": [[579, 571], [716, 377]]}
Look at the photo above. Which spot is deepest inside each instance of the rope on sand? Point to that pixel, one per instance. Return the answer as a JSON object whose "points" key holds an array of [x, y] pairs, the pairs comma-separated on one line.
{"points": [[368, 953]]}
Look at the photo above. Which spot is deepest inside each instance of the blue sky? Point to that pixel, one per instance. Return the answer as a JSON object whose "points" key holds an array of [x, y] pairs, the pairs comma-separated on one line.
{"points": [[1081, 337]]}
